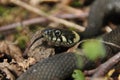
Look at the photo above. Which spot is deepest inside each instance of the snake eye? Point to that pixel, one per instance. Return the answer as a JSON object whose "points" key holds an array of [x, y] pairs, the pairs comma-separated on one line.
{"points": [[57, 32]]}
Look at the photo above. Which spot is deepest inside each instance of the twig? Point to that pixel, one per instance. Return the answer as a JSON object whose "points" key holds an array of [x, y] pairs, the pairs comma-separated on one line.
{"points": [[90, 72], [74, 10], [11, 66], [111, 44], [23, 23], [38, 20], [52, 18], [105, 67]]}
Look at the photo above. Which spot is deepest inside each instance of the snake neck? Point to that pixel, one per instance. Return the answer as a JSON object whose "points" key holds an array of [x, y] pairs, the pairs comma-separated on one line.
{"points": [[101, 13]]}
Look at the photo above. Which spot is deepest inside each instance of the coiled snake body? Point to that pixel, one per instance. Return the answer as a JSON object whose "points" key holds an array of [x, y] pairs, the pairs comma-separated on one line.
{"points": [[61, 66]]}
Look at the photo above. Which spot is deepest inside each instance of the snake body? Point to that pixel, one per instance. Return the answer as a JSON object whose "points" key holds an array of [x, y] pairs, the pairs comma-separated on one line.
{"points": [[58, 67], [61, 66]]}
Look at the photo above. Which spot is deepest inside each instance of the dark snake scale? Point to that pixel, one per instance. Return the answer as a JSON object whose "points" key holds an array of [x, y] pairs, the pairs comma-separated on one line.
{"points": [[61, 66]]}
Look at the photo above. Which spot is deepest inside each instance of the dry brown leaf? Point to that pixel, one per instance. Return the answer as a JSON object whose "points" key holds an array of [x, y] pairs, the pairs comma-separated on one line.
{"points": [[11, 49], [26, 63], [12, 66], [111, 72], [9, 74]]}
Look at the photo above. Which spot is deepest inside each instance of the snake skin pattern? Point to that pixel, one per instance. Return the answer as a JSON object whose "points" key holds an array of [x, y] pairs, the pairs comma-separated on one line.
{"points": [[58, 67], [61, 66], [102, 11]]}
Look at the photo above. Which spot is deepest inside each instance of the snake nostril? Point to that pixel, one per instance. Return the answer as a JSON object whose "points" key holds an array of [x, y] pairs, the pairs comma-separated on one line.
{"points": [[47, 32]]}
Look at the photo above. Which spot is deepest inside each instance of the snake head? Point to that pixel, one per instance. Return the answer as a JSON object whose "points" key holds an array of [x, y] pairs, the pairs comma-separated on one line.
{"points": [[61, 37]]}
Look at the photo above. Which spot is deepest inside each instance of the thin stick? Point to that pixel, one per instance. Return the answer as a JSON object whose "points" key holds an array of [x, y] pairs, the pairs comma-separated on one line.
{"points": [[38, 20], [105, 67], [52, 18]]}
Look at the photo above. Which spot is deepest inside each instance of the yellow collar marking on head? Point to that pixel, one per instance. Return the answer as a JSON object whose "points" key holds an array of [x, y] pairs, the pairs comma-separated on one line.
{"points": [[77, 37], [64, 39]]}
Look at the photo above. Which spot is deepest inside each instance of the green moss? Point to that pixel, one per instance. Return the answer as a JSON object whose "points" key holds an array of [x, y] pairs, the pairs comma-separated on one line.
{"points": [[94, 49], [78, 75], [21, 40], [76, 3]]}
